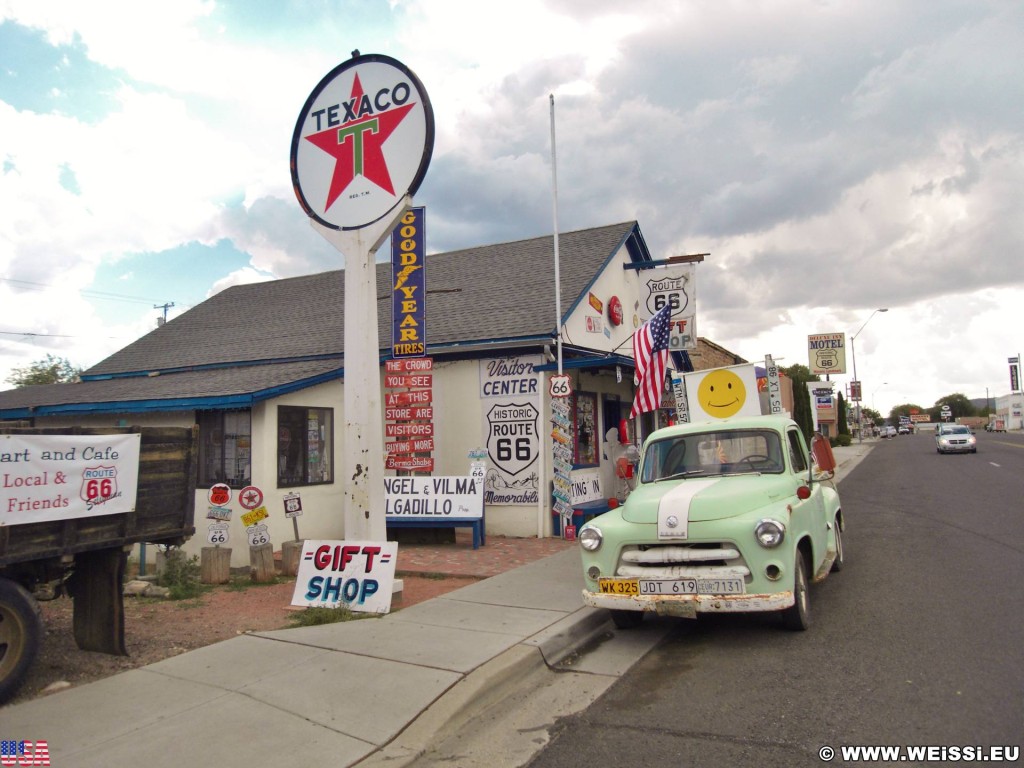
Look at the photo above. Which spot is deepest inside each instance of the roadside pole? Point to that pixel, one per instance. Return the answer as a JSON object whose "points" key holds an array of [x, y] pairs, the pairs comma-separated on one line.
{"points": [[362, 453]]}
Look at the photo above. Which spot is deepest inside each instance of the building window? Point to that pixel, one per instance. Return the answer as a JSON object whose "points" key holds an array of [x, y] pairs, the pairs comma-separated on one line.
{"points": [[305, 438], [586, 430], [225, 448]]}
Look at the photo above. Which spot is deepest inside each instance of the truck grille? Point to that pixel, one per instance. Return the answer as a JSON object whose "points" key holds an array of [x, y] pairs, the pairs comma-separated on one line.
{"points": [[670, 561]]}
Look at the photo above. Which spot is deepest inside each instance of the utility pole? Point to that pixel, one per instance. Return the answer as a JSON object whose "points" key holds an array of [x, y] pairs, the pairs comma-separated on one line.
{"points": [[164, 307]]}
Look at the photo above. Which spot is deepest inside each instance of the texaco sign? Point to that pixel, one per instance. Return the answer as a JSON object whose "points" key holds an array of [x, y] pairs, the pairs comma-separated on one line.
{"points": [[362, 142]]}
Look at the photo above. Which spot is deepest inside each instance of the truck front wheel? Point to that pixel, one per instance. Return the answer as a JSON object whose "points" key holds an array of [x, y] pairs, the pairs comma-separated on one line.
{"points": [[21, 629]]}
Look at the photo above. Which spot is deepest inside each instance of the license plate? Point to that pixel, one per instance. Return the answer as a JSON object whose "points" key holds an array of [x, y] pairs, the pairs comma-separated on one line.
{"points": [[724, 586]]}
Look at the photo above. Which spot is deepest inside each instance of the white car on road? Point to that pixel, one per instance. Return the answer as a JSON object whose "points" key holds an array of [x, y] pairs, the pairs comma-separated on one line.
{"points": [[955, 438]]}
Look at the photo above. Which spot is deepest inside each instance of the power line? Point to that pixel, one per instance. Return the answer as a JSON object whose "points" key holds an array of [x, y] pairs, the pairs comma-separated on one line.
{"points": [[84, 292], [54, 335]]}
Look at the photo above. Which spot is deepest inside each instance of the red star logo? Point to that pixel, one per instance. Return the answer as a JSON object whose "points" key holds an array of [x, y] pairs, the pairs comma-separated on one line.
{"points": [[358, 146]]}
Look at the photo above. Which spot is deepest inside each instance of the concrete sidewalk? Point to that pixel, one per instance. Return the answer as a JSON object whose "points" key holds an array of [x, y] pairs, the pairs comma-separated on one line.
{"points": [[340, 693], [329, 695]]}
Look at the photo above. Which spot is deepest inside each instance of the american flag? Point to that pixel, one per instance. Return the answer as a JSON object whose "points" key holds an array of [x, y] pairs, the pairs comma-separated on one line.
{"points": [[650, 351], [22, 753]]}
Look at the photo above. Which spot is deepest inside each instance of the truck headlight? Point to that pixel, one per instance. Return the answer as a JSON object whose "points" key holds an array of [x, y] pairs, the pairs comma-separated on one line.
{"points": [[769, 533], [590, 538]]}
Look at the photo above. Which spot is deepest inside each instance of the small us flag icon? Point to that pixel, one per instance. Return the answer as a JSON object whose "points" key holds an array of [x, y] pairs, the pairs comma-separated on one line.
{"points": [[24, 753]]}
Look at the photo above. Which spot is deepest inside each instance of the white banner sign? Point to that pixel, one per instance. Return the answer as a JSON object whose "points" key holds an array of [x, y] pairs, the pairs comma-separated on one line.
{"points": [[58, 477], [433, 498], [358, 575]]}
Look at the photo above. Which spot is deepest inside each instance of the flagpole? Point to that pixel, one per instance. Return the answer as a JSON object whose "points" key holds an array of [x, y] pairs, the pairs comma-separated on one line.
{"points": [[554, 206]]}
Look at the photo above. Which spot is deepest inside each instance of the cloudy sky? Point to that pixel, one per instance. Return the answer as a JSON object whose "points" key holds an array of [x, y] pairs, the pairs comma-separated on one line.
{"points": [[833, 157]]}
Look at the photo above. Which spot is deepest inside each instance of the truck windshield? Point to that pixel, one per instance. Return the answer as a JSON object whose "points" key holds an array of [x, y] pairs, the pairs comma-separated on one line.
{"points": [[712, 453]]}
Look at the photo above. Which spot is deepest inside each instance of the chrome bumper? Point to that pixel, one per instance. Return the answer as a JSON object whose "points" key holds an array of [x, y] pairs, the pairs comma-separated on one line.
{"points": [[689, 606]]}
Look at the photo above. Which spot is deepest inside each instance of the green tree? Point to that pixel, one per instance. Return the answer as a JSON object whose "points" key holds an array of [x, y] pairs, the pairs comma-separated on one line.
{"points": [[843, 427], [52, 370], [870, 414], [903, 410], [800, 375], [958, 404]]}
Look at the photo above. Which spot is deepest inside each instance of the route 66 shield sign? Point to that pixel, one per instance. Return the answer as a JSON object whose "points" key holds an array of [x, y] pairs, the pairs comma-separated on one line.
{"points": [[513, 442], [98, 483], [670, 290]]}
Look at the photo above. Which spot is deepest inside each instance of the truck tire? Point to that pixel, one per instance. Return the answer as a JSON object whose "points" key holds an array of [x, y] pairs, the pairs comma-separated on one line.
{"points": [[21, 629]]}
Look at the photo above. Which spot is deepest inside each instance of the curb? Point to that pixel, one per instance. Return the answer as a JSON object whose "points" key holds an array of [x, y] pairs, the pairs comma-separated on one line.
{"points": [[489, 684], [481, 688], [567, 635]]}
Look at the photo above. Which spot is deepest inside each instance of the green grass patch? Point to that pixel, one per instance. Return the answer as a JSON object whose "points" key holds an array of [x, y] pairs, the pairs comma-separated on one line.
{"points": [[242, 583], [317, 615]]}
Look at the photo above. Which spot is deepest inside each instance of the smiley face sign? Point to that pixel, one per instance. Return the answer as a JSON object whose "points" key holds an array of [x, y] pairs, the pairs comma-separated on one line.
{"points": [[722, 393]]}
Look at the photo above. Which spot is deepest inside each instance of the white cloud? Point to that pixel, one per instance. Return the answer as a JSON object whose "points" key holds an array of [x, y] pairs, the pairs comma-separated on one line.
{"points": [[833, 157]]}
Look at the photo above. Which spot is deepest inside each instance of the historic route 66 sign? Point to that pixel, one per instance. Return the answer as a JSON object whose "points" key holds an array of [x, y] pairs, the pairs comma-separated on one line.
{"points": [[513, 441], [217, 533]]}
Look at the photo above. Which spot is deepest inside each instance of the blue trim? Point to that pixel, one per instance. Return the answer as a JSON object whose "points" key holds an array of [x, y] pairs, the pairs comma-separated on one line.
{"points": [[588, 362], [482, 345], [219, 402], [211, 367]]}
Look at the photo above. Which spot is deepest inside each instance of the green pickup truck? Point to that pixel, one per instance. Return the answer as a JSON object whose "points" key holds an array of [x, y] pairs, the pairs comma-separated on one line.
{"points": [[727, 516]]}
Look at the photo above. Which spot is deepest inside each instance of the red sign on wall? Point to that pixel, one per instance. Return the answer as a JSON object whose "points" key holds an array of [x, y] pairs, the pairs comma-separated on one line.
{"points": [[409, 365], [409, 430], [411, 380], [410, 463]]}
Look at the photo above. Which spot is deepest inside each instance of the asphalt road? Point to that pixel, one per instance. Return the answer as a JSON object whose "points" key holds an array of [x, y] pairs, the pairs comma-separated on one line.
{"points": [[918, 641]]}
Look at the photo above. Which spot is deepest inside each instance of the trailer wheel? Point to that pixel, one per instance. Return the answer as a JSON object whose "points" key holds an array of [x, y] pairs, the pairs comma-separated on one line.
{"points": [[21, 628]]}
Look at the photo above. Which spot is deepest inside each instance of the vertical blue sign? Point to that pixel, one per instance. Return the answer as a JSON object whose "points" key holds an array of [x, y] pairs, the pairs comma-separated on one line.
{"points": [[409, 285]]}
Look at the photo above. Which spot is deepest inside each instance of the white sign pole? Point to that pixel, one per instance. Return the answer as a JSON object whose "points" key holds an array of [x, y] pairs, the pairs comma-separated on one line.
{"points": [[363, 444]]}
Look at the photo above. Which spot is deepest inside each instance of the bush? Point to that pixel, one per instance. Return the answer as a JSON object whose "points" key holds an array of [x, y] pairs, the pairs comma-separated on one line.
{"points": [[843, 440], [181, 575]]}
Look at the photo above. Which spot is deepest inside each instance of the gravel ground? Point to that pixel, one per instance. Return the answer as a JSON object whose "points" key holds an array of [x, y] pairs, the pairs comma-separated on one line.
{"points": [[156, 628]]}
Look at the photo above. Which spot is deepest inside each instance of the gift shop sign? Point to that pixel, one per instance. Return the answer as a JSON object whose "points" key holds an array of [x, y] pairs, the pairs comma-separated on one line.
{"points": [[358, 575], [362, 142], [58, 477]]}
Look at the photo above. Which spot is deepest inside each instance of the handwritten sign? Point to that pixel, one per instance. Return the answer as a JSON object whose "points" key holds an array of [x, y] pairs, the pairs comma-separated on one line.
{"points": [[433, 497], [358, 575]]}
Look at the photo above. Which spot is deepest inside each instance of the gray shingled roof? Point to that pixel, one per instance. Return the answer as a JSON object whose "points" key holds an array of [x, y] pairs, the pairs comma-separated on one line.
{"points": [[501, 291], [261, 339]]}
